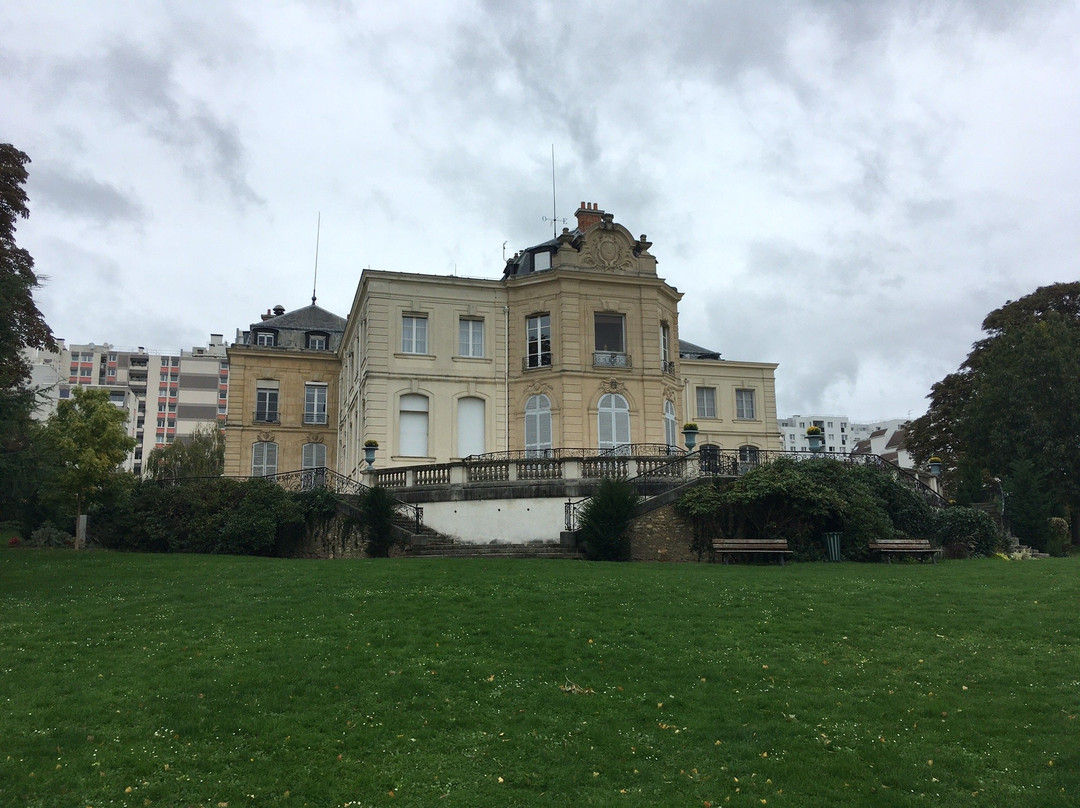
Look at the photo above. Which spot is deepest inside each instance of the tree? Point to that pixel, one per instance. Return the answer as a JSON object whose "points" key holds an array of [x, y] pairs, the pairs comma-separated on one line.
{"points": [[87, 442], [21, 326], [200, 455], [1015, 397], [605, 520]]}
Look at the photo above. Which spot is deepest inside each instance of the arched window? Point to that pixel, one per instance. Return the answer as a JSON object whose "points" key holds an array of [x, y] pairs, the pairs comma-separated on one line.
{"points": [[263, 459], [613, 427], [413, 426], [314, 456], [748, 458], [537, 426], [671, 435], [470, 426]]}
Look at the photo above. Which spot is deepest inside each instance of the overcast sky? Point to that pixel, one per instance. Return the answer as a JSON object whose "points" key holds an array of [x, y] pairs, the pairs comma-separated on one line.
{"points": [[843, 188]]}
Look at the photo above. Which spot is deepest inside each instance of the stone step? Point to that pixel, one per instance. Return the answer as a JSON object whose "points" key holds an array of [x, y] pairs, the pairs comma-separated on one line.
{"points": [[445, 549]]}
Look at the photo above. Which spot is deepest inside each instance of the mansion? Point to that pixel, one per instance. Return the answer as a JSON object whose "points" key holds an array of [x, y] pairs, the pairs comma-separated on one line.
{"points": [[576, 347]]}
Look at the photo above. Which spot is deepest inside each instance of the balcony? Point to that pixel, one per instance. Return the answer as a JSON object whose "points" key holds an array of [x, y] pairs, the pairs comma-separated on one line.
{"points": [[265, 417], [318, 418], [536, 361], [611, 359], [667, 367]]}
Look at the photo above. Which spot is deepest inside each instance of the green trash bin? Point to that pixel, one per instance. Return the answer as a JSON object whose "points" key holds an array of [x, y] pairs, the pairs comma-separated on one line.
{"points": [[832, 546]]}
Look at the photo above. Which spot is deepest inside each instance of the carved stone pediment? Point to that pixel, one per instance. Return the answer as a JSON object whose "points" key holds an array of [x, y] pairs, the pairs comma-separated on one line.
{"points": [[612, 386], [608, 251], [314, 437], [265, 437]]}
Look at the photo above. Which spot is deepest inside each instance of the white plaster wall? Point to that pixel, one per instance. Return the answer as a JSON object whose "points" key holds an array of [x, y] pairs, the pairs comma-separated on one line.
{"points": [[503, 520]]}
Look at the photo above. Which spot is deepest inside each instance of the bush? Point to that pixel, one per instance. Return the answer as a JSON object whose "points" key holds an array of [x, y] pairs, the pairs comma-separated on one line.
{"points": [[605, 520], [801, 500], [966, 530], [1060, 538], [49, 535], [216, 515], [377, 509]]}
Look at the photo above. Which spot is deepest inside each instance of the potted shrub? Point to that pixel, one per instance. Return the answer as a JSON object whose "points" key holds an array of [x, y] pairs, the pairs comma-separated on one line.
{"points": [[935, 466], [369, 452], [816, 439], [690, 431]]}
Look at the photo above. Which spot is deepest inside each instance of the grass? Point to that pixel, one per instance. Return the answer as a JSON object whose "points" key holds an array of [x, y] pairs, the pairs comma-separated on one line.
{"points": [[139, 680]]}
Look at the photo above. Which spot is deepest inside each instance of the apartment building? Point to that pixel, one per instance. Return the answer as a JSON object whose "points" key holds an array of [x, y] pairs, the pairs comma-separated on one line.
{"points": [[175, 392]]}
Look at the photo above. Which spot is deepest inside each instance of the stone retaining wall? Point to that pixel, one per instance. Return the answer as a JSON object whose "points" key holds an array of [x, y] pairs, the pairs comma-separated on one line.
{"points": [[662, 535]]}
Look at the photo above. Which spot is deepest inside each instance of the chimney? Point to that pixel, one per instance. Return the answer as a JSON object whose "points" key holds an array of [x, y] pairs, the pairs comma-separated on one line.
{"points": [[588, 215], [266, 316]]}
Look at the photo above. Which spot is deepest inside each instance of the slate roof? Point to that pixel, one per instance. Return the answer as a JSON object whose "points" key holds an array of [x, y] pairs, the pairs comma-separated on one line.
{"points": [[522, 263], [688, 350], [309, 318]]}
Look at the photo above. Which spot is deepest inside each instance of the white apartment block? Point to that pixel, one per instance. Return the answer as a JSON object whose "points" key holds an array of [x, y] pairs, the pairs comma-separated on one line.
{"points": [[835, 428], [884, 438], [175, 392]]}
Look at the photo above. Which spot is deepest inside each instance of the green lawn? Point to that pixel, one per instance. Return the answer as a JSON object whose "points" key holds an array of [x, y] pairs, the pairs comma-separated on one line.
{"points": [[195, 680]]}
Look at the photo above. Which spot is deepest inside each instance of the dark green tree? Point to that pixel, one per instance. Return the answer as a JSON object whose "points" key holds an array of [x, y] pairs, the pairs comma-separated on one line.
{"points": [[377, 510], [605, 520], [1027, 506], [1016, 396], [21, 326], [86, 442], [200, 455]]}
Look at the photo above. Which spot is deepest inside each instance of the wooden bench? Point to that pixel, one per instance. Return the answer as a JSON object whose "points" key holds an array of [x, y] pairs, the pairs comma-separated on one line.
{"points": [[730, 547], [916, 547]]}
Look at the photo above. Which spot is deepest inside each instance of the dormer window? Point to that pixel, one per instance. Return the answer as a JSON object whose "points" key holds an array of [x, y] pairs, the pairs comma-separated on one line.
{"points": [[265, 338], [317, 341], [541, 261]]}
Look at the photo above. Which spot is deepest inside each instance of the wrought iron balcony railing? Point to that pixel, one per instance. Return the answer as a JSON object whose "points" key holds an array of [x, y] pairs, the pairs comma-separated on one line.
{"points": [[611, 359]]}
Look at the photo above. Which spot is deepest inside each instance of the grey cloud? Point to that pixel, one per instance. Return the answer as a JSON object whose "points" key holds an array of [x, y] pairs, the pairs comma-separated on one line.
{"points": [[83, 196], [140, 87]]}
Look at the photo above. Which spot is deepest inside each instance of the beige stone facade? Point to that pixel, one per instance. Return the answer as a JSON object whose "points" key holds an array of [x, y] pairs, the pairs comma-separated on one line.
{"points": [[283, 393], [576, 347]]}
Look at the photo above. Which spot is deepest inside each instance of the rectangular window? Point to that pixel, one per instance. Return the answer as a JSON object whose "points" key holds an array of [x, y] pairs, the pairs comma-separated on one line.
{"points": [[609, 333], [744, 405], [470, 337], [266, 404], [706, 402], [413, 334], [85, 373], [264, 338], [317, 342], [538, 334], [315, 404]]}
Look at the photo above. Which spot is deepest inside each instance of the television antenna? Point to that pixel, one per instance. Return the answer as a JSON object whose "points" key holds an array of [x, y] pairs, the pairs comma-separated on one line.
{"points": [[554, 210]]}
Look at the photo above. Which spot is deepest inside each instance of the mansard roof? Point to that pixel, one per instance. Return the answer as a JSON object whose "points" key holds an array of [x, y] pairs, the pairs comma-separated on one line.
{"points": [[309, 318], [688, 350]]}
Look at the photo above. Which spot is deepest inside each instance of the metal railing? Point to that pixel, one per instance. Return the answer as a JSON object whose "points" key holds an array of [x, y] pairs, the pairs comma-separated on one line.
{"points": [[611, 359], [322, 477], [536, 361]]}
